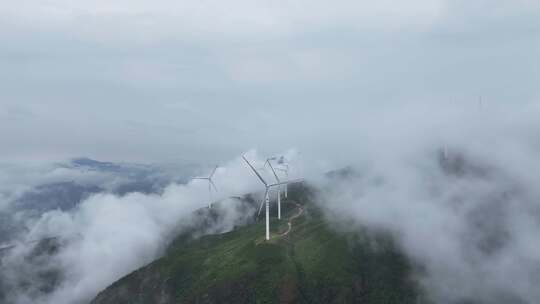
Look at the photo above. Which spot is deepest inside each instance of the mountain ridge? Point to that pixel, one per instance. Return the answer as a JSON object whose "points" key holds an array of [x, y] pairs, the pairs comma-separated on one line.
{"points": [[312, 264]]}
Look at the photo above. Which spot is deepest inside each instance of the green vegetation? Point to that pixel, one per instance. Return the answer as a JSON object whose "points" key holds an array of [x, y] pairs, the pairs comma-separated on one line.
{"points": [[313, 264]]}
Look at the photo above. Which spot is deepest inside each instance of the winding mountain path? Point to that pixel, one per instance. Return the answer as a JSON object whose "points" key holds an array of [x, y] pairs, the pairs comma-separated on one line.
{"points": [[291, 219]]}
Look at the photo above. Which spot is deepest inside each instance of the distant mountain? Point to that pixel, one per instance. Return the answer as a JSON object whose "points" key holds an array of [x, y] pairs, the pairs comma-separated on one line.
{"points": [[68, 192], [137, 177], [62, 195], [311, 264], [90, 163], [343, 173]]}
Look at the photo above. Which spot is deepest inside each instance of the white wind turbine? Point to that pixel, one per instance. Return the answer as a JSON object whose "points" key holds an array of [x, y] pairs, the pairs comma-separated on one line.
{"points": [[268, 161], [445, 152], [284, 169], [266, 195], [211, 185]]}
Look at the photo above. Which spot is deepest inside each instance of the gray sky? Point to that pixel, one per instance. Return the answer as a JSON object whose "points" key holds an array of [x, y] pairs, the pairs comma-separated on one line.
{"points": [[161, 81]]}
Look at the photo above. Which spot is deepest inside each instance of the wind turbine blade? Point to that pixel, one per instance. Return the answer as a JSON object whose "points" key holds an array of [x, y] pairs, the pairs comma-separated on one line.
{"points": [[287, 182], [268, 160], [199, 178], [260, 208], [264, 200], [257, 173], [213, 172], [213, 185], [273, 171]]}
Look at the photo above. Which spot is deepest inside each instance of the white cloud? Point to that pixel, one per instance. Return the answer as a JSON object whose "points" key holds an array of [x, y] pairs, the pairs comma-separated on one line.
{"points": [[469, 227], [107, 236]]}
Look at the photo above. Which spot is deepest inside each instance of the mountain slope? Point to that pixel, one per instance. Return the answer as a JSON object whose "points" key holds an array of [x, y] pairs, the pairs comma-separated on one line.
{"points": [[311, 264]]}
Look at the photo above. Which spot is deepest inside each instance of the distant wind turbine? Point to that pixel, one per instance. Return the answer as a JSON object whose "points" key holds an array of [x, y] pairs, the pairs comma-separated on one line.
{"points": [[284, 169], [266, 195], [211, 185], [268, 161], [480, 102], [445, 152]]}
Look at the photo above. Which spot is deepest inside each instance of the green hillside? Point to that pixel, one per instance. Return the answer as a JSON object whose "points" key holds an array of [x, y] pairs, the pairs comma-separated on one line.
{"points": [[312, 264]]}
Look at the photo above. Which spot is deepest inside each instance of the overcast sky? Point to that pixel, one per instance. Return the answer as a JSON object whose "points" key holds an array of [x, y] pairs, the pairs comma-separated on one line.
{"points": [[166, 80]]}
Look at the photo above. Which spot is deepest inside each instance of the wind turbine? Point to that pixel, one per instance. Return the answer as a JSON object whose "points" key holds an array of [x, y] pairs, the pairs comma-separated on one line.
{"points": [[266, 195], [211, 185], [445, 152], [285, 169], [281, 161], [480, 102], [268, 161]]}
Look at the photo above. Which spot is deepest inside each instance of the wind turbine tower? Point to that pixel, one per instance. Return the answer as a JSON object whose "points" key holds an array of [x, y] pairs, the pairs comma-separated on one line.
{"points": [[211, 185], [266, 199], [278, 187], [281, 161], [285, 170]]}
